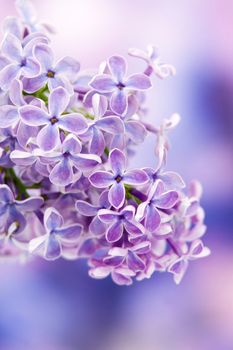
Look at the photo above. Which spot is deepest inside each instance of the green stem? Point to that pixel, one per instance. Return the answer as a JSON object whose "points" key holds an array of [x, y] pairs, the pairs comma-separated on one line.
{"points": [[129, 195], [22, 190]]}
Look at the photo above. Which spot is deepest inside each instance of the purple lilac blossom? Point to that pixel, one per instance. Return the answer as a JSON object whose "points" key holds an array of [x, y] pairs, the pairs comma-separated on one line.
{"points": [[66, 138], [154, 64], [118, 85], [117, 178], [52, 121]]}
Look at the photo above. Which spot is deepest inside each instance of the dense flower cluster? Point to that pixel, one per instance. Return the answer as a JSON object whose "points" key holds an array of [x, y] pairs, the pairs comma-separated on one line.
{"points": [[66, 186]]}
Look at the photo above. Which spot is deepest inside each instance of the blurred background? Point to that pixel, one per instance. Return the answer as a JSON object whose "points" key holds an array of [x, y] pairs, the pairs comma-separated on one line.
{"points": [[56, 306]]}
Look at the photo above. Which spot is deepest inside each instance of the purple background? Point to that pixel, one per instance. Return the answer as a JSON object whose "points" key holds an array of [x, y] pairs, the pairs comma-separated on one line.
{"points": [[56, 306]]}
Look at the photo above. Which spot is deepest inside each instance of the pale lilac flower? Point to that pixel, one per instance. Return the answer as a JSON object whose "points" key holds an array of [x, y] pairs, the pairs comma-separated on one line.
{"points": [[28, 14], [120, 275], [96, 227], [118, 85], [196, 251], [117, 178], [57, 74], [120, 221], [153, 60], [13, 211], [10, 117], [57, 235], [21, 64], [52, 121], [132, 256], [110, 124], [158, 198], [68, 159]]}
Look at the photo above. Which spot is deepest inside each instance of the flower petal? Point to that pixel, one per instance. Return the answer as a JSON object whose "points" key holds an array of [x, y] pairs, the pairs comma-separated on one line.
{"points": [[53, 248], [16, 93], [103, 83], [136, 131], [70, 233], [97, 227], [118, 102], [116, 195], [134, 227], [62, 173], [111, 124], [107, 216], [171, 178], [12, 48], [71, 144], [22, 158], [7, 74], [68, 66], [99, 104], [85, 161], [58, 101], [33, 116], [117, 161], [114, 232], [138, 82], [37, 243], [135, 177], [152, 218], [178, 268], [86, 208], [97, 143], [9, 115], [101, 179], [52, 219], [30, 204], [34, 84], [31, 68], [198, 250], [6, 194], [44, 55], [48, 138], [117, 65], [167, 200], [134, 262], [73, 122]]}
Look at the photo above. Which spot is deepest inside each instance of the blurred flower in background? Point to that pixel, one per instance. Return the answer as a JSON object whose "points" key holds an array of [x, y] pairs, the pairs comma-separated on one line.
{"points": [[55, 306]]}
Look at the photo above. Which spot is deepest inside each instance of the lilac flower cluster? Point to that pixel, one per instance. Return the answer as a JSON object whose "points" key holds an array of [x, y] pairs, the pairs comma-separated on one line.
{"points": [[67, 190]]}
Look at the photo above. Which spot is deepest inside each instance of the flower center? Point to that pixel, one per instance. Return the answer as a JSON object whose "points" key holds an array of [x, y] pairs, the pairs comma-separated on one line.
{"points": [[50, 74], [53, 120], [23, 62], [118, 178], [120, 86]]}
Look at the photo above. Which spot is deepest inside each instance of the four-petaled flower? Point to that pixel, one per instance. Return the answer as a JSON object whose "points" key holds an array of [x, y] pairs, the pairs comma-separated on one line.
{"points": [[131, 255], [48, 137], [117, 177], [67, 158], [158, 198], [118, 85], [59, 74], [96, 227], [196, 251], [57, 235], [152, 58], [20, 61], [118, 221]]}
